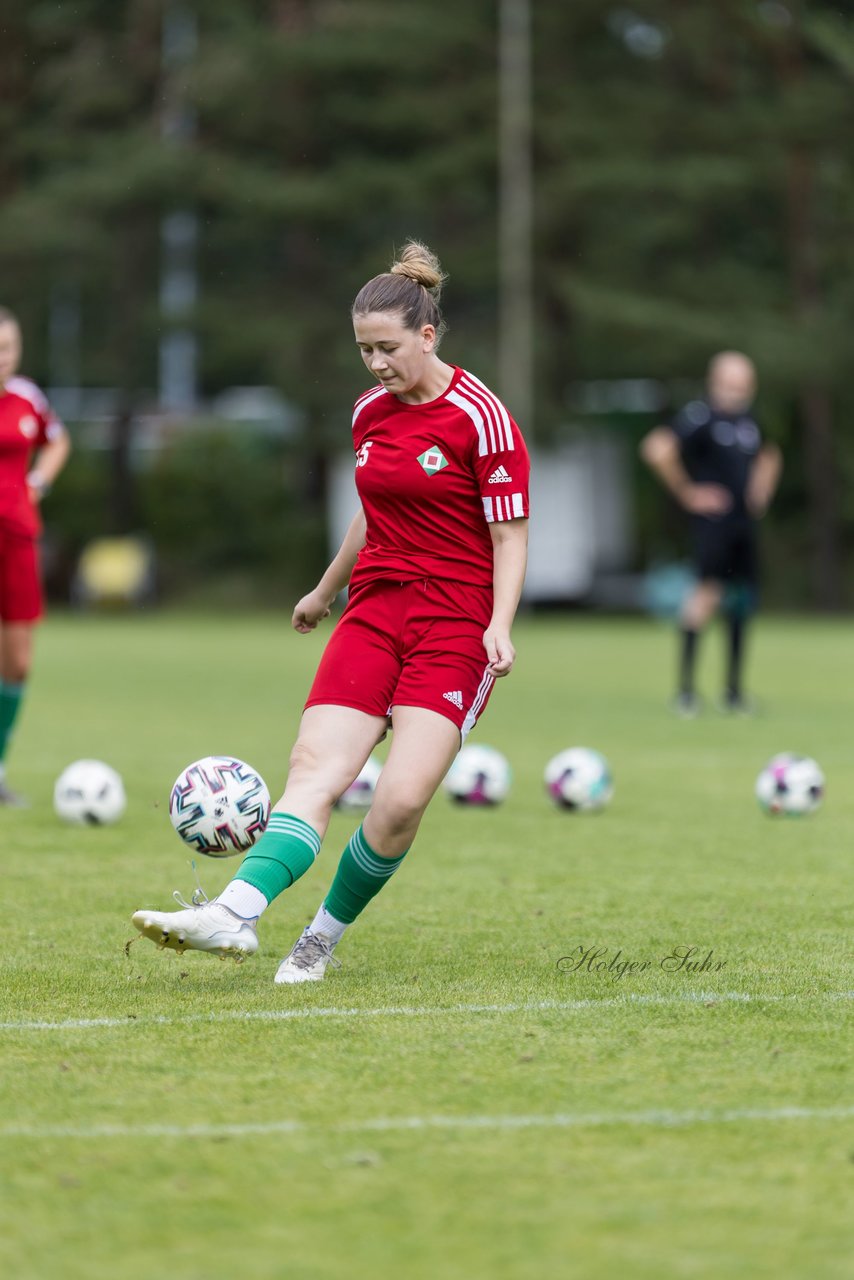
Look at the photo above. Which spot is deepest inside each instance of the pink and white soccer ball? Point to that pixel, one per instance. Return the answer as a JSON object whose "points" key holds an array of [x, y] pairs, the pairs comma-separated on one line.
{"points": [[478, 776], [790, 784], [219, 806], [360, 794], [579, 778]]}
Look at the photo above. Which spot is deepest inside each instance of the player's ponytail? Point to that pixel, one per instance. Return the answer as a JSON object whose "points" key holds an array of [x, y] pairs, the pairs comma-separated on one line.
{"points": [[412, 287]]}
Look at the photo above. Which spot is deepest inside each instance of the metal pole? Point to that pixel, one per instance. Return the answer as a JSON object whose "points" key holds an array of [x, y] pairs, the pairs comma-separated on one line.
{"points": [[515, 211], [64, 349], [179, 229]]}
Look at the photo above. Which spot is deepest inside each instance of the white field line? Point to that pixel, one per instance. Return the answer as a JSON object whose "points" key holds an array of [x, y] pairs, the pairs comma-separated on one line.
{"points": [[657, 1119], [426, 1011]]}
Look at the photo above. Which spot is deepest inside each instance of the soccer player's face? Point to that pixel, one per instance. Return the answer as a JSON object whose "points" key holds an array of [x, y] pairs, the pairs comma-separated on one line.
{"points": [[395, 355], [10, 350]]}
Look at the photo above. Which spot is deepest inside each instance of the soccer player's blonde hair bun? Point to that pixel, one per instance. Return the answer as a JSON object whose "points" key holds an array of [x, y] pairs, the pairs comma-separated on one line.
{"points": [[411, 288], [418, 263]]}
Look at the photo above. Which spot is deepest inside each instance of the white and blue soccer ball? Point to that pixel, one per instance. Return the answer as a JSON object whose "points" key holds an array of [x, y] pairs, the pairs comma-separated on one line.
{"points": [[219, 806], [479, 776], [360, 794], [89, 793], [790, 784], [579, 778]]}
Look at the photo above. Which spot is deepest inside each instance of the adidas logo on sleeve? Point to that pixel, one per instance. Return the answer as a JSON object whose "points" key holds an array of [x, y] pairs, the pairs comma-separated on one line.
{"points": [[500, 476]]}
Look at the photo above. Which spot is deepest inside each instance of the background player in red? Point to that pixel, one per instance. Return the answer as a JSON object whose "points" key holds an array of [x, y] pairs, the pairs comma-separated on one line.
{"points": [[713, 460], [435, 560], [27, 427]]}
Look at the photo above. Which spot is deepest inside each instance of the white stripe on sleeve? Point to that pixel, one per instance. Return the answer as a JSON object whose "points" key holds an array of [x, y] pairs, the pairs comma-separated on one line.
{"points": [[488, 412], [366, 400], [487, 406], [28, 390], [502, 413], [462, 402]]}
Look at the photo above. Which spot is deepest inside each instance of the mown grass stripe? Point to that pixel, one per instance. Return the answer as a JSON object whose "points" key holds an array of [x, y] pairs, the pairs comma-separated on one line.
{"points": [[655, 1119], [709, 998]]}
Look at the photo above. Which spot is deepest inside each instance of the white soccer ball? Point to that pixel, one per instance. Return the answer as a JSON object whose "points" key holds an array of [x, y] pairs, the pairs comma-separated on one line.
{"points": [[360, 793], [219, 806], [579, 778], [478, 776], [790, 784], [89, 793]]}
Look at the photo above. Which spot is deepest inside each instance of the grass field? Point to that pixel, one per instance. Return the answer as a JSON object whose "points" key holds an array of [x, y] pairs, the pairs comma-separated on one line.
{"points": [[453, 1102]]}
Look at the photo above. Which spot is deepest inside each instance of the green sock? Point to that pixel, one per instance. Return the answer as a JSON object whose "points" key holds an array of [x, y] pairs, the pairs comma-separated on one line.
{"points": [[284, 852], [10, 705], [360, 876]]}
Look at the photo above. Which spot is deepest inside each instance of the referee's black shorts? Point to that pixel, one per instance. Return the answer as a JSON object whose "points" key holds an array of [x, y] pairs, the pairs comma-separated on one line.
{"points": [[725, 549]]}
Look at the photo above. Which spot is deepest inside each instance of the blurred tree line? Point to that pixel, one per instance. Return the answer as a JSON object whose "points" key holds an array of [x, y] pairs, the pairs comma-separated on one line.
{"points": [[694, 189]]}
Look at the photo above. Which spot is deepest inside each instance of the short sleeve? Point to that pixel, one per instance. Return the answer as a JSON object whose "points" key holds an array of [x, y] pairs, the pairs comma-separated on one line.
{"points": [[500, 459], [504, 477], [48, 425]]}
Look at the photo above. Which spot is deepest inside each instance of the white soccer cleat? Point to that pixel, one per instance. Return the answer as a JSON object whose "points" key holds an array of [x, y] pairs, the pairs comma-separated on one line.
{"points": [[208, 926], [307, 962]]}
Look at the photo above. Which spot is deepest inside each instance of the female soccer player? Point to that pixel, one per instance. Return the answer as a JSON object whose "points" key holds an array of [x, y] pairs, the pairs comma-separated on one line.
{"points": [[26, 424], [435, 560]]}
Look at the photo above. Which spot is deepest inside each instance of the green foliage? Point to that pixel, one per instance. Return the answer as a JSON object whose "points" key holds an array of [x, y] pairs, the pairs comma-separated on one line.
{"points": [[224, 508], [693, 175]]}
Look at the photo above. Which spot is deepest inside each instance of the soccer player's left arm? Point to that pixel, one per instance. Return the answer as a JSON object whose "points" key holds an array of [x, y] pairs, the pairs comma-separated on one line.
{"points": [[764, 478], [50, 459], [510, 557]]}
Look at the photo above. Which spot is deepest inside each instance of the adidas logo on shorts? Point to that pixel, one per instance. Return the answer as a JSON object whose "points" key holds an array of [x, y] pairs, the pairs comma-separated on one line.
{"points": [[500, 476], [456, 697]]}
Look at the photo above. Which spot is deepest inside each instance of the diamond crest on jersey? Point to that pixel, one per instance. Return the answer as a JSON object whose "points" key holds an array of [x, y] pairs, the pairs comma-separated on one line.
{"points": [[432, 460]]}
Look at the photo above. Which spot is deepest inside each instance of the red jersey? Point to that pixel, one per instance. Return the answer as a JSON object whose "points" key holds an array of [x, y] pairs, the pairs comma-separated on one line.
{"points": [[26, 423], [432, 478]]}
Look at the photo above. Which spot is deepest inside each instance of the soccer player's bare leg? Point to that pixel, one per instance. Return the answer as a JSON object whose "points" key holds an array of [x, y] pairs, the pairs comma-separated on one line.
{"points": [[333, 744], [697, 611], [423, 746], [16, 650]]}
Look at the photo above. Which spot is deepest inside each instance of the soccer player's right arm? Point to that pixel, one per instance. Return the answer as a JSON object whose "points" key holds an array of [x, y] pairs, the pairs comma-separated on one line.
{"points": [[317, 604]]}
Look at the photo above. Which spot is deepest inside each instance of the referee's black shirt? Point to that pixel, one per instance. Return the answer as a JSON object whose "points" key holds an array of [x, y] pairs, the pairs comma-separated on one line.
{"points": [[718, 448]]}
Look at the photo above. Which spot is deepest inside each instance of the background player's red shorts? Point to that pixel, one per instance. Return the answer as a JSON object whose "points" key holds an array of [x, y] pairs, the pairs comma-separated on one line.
{"points": [[409, 644], [20, 581]]}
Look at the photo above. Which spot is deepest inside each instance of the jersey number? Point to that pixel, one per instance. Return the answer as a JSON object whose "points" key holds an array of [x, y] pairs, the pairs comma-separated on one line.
{"points": [[362, 455]]}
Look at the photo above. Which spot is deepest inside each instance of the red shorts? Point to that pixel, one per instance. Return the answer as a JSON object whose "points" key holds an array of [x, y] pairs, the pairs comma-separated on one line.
{"points": [[20, 582], [409, 644]]}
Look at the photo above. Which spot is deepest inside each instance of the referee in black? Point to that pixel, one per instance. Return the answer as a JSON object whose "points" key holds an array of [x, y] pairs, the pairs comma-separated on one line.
{"points": [[713, 460]]}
